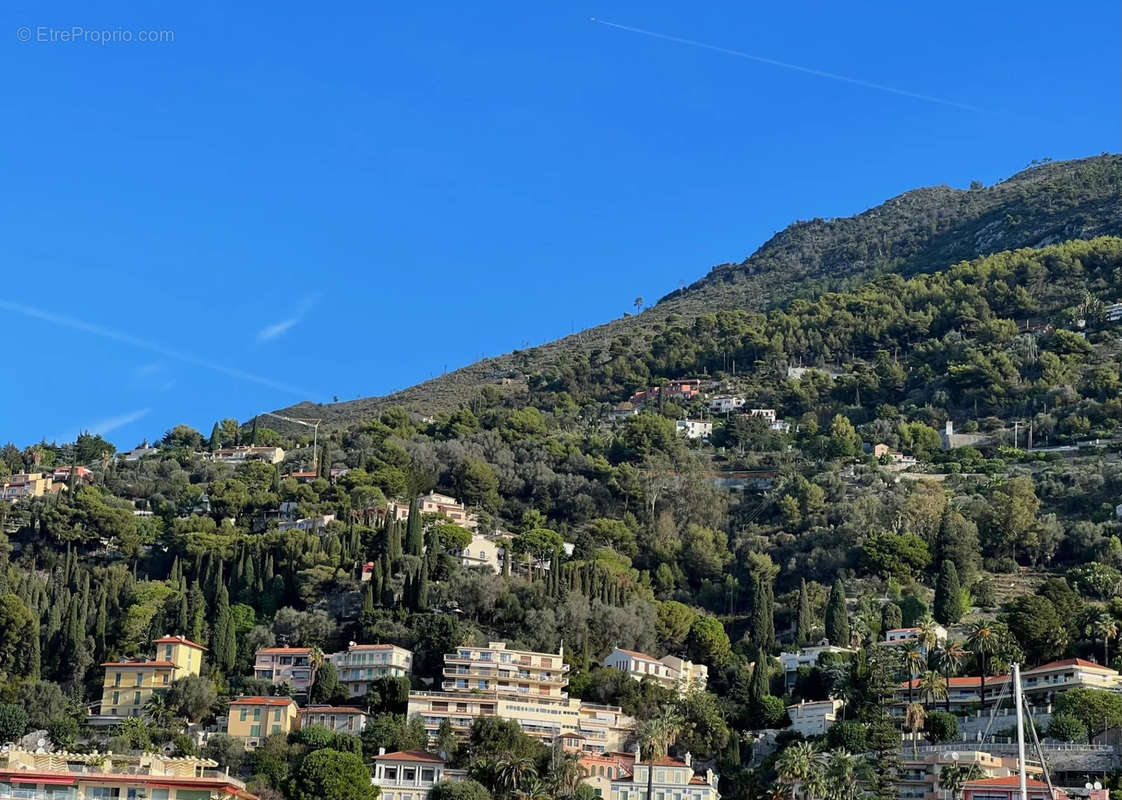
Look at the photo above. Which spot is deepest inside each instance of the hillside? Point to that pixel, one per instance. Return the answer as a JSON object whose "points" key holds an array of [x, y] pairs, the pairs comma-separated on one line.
{"points": [[918, 231]]}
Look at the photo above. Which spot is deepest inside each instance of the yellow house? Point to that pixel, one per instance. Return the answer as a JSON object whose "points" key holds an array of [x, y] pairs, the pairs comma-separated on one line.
{"points": [[130, 684], [254, 719]]}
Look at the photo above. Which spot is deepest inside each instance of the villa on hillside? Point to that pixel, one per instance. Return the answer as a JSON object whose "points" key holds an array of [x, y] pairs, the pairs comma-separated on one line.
{"points": [[670, 671]]}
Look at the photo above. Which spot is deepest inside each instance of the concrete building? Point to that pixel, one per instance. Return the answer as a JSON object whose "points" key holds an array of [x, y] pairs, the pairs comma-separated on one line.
{"points": [[694, 428], [315, 523], [254, 719], [243, 453], [919, 778], [410, 774], [808, 657], [361, 664], [103, 776], [341, 719], [814, 718], [436, 503], [726, 404], [605, 729], [674, 779], [62, 474], [484, 551], [128, 685], [521, 685], [138, 453], [286, 665], [769, 415], [23, 485], [1008, 788], [902, 636], [670, 671]]}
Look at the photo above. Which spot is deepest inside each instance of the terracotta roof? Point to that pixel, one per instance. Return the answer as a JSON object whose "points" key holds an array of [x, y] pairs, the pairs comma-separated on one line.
{"points": [[55, 778], [331, 710], [1008, 780], [636, 654], [138, 664], [1069, 662], [372, 647], [177, 640], [410, 755], [665, 761], [262, 701], [272, 650]]}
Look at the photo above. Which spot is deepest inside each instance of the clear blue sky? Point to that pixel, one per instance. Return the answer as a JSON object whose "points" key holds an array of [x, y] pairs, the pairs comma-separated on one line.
{"points": [[347, 198]]}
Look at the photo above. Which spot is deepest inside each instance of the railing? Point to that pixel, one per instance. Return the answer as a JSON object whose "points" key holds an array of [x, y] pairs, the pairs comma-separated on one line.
{"points": [[1007, 745]]}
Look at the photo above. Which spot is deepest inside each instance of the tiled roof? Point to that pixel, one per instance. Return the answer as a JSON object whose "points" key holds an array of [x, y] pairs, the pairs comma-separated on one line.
{"points": [[636, 654], [281, 650], [1069, 662], [177, 640], [371, 647], [411, 755], [1008, 780], [262, 701], [331, 710]]}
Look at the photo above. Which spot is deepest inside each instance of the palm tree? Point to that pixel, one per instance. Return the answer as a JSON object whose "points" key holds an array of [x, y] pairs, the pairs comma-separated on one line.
{"points": [[843, 774], [1103, 626], [982, 638], [564, 773], [157, 711], [913, 662], [656, 736], [928, 633], [534, 789], [954, 776], [797, 764], [914, 717], [932, 688], [511, 774], [949, 658]]}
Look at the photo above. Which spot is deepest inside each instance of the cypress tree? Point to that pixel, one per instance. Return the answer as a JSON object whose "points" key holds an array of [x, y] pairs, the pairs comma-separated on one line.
{"points": [[414, 540], [101, 620], [555, 573], [837, 619], [803, 622], [760, 685], [183, 620], [949, 606], [196, 604], [215, 438], [395, 543], [249, 579], [34, 653], [253, 432], [423, 587], [225, 641], [368, 597]]}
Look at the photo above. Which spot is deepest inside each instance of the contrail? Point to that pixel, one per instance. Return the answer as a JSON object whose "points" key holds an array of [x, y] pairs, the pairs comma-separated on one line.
{"points": [[124, 338], [797, 68]]}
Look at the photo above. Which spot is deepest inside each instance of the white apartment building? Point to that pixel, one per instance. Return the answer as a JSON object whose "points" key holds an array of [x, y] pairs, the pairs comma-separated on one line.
{"points": [[521, 685], [281, 665], [361, 664], [814, 718], [725, 405], [410, 774], [670, 671], [694, 428], [604, 729], [341, 719], [243, 453], [807, 657], [902, 636], [767, 414]]}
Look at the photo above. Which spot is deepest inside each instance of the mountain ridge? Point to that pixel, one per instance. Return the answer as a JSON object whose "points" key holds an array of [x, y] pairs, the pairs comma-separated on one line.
{"points": [[919, 230]]}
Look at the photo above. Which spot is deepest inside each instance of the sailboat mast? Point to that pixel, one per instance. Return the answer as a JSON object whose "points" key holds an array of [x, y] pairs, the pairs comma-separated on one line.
{"points": [[1018, 703]]}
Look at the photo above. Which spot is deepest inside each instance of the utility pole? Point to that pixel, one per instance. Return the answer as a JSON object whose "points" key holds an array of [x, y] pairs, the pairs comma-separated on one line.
{"points": [[1019, 704]]}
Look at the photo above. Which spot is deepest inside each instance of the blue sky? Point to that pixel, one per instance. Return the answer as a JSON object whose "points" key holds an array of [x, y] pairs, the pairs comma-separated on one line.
{"points": [[299, 201]]}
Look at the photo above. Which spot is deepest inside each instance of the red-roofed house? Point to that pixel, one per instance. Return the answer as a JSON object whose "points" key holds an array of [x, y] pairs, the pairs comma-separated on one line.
{"points": [[671, 671], [410, 774], [341, 719], [1008, 788], [672, 776], [254, 719], [128, 685]]}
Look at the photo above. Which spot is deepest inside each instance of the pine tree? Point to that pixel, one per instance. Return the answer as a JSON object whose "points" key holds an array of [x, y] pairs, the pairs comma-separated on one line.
{"points": [[414, 540], [949, 605], [837, 618], [215, 438], [803, 623], [225, 640]]}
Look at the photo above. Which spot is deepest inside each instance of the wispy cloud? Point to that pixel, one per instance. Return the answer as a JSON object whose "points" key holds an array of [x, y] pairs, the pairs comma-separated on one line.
{"points": [[277, 329], [105, 426], [153, 347]]}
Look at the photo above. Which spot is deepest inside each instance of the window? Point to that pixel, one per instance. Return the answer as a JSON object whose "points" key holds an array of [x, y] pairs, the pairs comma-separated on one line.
{"points": [[140, 679], [391, 773], [167, 652], [116, 698], [244, 714], [276, 715], [117, 679], [409, 773], [428, 774], [102, 793], [257, 715], [255, 731], [136, 698]]}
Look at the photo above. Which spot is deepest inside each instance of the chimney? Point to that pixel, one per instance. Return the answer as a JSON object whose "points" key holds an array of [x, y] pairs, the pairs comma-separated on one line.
{"points": [[381, 751], [689, 759]]}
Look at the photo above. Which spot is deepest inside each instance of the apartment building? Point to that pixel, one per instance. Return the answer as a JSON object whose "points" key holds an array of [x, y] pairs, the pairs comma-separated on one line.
{"points": [[361, 664], [521, 685], [254, 719], [128, 685], [341, 719], [1039, 684], [286, 665], [726, 404], [25, 484], [111, 776], [814, 718], [670, 671], [674, 779], [903, 636], [410, 774], [1009, 789], [604, 729], [244, 453], [919, 778]]}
